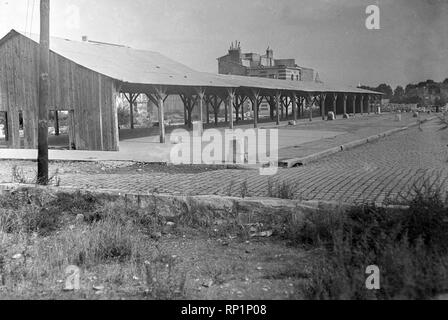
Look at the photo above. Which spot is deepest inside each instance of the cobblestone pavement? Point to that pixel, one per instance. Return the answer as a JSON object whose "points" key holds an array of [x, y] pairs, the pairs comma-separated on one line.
{"points": [[373, 172], [351, 130]]}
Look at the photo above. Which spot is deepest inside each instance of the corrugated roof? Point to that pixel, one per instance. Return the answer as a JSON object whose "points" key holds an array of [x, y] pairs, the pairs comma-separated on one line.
{"points": [[152, 68]]}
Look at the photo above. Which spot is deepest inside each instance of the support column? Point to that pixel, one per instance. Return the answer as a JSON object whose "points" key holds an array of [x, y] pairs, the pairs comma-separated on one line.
{"points": [[345, 104], [362, 105], [226, 106], [310, 102], [323, 99], [278, 102], [201, 94], [354, 104], [56, 123], [254, 98], [160, 96], [369, 105], [229, 103], [335, 105], [207, 106], [216, 106], [131, 111], [294, 105], [282, 106]]}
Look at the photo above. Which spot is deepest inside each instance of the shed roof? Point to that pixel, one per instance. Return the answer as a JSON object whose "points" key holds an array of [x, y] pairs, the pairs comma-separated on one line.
{"points": [[152, 68]]}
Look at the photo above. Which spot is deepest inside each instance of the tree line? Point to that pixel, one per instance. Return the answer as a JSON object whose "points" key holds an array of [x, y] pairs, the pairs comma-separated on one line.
{"points": [[412, 93]]}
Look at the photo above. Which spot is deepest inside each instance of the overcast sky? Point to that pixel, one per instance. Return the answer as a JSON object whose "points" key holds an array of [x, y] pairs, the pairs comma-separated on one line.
{"points": [[327, 35]]}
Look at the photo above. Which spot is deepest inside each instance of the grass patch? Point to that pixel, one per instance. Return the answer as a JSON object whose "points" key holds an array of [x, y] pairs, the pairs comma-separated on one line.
{"points": [[283, 190], [410, 246]]}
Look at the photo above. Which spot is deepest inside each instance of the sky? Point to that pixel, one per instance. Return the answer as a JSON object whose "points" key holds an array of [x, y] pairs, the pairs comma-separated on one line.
{"points": [[328, 35]]}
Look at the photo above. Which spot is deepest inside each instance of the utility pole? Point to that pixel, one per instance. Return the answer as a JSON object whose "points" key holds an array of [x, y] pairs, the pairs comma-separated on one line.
{"points": [[44, 88]]}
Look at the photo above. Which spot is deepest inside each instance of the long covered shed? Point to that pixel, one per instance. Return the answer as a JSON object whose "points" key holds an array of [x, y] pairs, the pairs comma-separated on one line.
{"points": [[87, 78]]}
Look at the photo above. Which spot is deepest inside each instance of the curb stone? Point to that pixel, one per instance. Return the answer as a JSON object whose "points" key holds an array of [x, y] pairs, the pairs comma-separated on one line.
{"points": [[249, 210]]}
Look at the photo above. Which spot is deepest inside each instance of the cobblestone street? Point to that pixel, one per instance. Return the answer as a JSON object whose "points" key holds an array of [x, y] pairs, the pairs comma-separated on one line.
{"points": [[373, 172]]}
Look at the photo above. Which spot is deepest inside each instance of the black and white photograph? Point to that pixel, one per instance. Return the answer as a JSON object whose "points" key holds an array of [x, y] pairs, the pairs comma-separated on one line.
{"points": [[233, 151]]}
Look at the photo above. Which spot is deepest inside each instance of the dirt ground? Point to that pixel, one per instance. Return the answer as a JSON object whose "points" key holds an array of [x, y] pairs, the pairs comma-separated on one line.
{"points": [[216, 269], [152, 258]]}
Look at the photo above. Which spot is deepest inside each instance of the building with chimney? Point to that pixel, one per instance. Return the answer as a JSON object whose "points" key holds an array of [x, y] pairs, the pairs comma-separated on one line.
{"points": [[264, 66]]}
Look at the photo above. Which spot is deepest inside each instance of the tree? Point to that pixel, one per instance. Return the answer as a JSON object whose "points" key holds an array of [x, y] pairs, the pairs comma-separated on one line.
{"points": [[398, 94], [445, 81], [386, 89]]}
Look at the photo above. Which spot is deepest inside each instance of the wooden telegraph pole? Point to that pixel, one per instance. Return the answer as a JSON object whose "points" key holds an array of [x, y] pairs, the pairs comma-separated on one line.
{"points": [[44, 88]]}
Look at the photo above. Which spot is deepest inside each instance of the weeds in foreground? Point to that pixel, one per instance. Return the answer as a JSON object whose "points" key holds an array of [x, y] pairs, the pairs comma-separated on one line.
{"points": [[410, 246], [283, 190], [164, 279], [19, 176]]}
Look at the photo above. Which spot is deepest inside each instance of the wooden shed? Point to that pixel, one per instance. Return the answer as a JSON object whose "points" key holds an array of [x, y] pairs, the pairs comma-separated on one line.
{"points": [[87, 96]]}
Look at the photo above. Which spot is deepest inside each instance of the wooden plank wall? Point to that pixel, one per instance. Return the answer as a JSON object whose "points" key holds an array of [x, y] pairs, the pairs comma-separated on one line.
{"points": [[91, 96]]}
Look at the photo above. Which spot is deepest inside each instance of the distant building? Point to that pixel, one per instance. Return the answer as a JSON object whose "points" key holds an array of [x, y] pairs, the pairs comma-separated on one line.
{"points": [[265, 66]]}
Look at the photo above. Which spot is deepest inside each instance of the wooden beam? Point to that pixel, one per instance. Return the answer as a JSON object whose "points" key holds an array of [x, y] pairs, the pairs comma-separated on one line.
{"points": [[278, 96], [310, 102], [362, 105], [254, 96], [335, 104], [160, 96], [323, 99], [229, 103], [345, 104], [354, 104], [294, 105], [200, 99], [56, 123], [44, 93]]}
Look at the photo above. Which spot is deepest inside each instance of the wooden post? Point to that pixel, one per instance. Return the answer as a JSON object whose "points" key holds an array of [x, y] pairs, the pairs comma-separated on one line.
{"points": [[226, 106], [56, 123], [44, 93], [254, 97], [362, 105], [282, 109], [160, 96], [201, 94], [216, 109], [369, 105], [294, 105], [335, 104], [323, 98], [278, 96], [354, 105], [131, 110], [229, 103], [345, 104], [207, 106], [310, 103]]}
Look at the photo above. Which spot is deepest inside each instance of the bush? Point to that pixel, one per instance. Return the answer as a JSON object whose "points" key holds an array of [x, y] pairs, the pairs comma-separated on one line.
{"points": [[410, 246]]}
